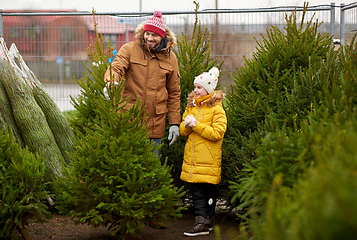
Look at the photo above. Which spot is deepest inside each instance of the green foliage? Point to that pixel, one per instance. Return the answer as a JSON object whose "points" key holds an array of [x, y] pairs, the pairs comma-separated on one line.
{"points": [[285, 83], [115, 175], [22, 188], [301, 184], [92, 85], [270, 82], [348, 58], [286, 150], [321, 205], [194, 58]]}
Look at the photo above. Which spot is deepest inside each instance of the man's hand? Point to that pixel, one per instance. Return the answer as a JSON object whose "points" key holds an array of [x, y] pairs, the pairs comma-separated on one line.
{"points": [[173, 134], [105, 90]]}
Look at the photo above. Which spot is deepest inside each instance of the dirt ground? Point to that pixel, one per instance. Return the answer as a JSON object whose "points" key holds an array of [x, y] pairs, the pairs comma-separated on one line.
{"points": [[63, 228]]}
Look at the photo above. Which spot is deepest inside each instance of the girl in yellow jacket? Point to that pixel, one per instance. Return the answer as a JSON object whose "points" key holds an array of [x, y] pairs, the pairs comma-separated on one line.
{"points": [[204, 123]]}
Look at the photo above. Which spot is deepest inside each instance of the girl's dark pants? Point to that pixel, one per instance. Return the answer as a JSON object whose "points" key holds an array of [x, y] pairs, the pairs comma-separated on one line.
{"points": [[204, 199]]}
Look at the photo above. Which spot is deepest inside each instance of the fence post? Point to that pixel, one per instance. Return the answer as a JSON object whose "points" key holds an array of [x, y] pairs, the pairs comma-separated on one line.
{"points": [[332, 21], [342, 25], [1, 24]]}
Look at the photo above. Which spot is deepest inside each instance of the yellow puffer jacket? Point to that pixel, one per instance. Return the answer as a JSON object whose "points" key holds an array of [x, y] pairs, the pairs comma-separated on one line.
{"points": [[203, 150]]}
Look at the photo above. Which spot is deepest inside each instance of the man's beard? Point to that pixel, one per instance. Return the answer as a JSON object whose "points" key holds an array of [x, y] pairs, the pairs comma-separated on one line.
{"points": [[155, 46]]}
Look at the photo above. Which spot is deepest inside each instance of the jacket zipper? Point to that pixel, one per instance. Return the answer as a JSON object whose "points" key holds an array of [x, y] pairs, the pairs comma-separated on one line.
{"points": [[147, 77], [193, 144], [146, 85]]}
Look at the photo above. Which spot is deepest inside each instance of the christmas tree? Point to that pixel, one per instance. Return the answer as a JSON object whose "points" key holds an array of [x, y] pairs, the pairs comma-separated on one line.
{"points": [[274, 93], [115, 176], [22, 188]]}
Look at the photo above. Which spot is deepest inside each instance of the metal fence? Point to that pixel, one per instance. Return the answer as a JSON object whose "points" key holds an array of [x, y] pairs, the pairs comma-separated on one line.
{"points": [[54, 44], [349, 20]]}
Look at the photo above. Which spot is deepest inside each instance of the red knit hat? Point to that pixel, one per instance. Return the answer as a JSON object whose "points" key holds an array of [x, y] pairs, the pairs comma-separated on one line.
{"points": [[155, 24]]}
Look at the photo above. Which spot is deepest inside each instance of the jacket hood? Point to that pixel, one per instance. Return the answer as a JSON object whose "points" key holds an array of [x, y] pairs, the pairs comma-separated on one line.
{"points": [[217, 97], [139, 35]]}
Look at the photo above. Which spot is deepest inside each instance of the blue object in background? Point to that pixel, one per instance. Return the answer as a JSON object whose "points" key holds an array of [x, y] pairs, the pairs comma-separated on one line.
{"points": [[112, 58]]}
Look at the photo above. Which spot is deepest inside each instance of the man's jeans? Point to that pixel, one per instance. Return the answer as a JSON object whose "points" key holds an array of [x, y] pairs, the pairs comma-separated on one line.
{"points": [[157, 141]]}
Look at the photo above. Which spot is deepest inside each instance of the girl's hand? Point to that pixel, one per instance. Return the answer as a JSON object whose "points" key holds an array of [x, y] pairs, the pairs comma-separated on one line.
{"points": [[190, 121], [193, 122]]}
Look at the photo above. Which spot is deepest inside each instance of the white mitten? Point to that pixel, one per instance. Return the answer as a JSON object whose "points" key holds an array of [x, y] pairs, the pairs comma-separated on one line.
{"points": [[105, 89], [193, 122], [187, 120], [190, 121]]}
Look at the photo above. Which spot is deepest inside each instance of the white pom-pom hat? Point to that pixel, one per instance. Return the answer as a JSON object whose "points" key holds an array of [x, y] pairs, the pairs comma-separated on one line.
{"points": [[208, 80]]}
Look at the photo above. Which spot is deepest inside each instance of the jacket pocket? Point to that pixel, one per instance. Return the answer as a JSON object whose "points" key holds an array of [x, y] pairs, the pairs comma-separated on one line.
{"points": [[166, 67], [137, 70], [165, 72], [204, 154], [161, 109], [139, 61]]}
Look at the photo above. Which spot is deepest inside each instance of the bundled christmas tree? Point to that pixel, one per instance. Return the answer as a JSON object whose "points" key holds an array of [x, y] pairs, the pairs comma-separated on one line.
{"points": [[7, 114], [57, 122], [115, 177], [30, 119], [30, 112]]}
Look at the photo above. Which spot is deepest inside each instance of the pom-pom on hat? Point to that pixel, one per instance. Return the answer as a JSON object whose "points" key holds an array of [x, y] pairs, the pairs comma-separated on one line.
{"points": [[208, 80], [156, 24]]}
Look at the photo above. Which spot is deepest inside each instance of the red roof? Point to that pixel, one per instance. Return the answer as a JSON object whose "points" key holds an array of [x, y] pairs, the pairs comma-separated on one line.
{"points": [[44, 19], [107, 25], [35, 11]]}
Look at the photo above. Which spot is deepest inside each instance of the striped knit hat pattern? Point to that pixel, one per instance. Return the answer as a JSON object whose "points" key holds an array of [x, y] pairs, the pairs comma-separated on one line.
{"points": [[156, 24]]}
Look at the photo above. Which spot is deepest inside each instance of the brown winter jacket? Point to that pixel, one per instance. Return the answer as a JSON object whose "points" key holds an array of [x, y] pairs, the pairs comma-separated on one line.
{"points": [[203, 149], [152, 78]]}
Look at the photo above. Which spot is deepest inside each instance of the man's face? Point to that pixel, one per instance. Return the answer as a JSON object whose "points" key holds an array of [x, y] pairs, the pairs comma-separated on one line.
{"points": [[152, 39]]}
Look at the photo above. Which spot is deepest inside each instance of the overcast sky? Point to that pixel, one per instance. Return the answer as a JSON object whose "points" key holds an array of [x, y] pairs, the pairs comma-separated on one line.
{"points": [[151, 5]]}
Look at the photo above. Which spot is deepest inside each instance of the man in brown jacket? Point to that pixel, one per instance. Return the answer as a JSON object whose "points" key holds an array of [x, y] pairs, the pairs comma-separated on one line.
{"points": [[151, 74]]}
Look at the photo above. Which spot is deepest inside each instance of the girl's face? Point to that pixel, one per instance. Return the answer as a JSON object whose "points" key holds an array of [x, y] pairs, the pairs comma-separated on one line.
{"points": [[199, 91]]}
